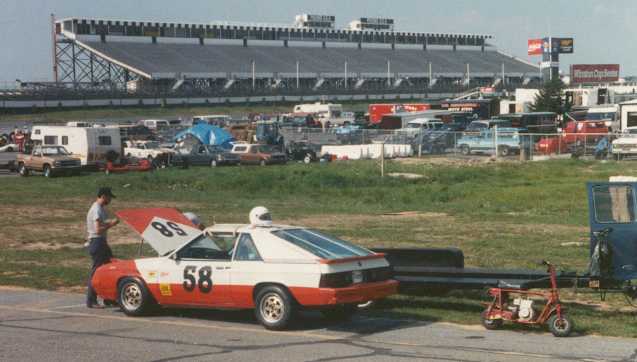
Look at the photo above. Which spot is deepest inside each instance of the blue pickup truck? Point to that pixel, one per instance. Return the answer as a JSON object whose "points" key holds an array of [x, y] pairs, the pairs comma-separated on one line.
{"points": [[508, 140]]}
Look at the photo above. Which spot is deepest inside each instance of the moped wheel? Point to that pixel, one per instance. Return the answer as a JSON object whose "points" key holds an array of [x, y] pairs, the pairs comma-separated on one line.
{"points": [[560, 327], [490, 324]]}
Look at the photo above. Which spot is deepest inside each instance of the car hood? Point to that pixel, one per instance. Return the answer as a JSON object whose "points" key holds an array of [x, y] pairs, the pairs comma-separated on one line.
{"points": [[164, 229]]}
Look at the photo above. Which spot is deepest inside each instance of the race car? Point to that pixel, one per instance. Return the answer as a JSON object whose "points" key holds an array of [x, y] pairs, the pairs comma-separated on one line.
{"points": [[274, 269]]}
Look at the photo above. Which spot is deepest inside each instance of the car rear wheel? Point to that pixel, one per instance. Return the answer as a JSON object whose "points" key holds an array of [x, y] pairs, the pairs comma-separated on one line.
{"points": [[504, 151], [465, 150], [307, 159], [274, 307], [133, 298]]}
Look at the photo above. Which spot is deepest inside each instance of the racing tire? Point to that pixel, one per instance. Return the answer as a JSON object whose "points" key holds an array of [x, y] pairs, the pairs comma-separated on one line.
{"points": [[23, 170], [340, 312], [213, 163], [133, 298], [490, 324], [262, 163], [560, 327], [46, 171], [274, 307], [465, 150]]}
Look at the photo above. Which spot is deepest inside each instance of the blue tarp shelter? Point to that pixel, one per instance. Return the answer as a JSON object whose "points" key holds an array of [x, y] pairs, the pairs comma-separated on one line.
{"points": [[207, 135]]}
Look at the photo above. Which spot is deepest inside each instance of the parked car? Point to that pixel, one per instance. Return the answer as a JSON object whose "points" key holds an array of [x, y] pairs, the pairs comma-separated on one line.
{"points": [[626, 144], [576, 137], [273, 269], [145, 149], [508, 142], [478, 126], [49, 160], [205, 155], [259, 154]]}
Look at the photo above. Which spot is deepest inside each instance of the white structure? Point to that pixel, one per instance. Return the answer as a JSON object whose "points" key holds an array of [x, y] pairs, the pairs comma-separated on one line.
{"points": [[308, 21], [88, 144]]}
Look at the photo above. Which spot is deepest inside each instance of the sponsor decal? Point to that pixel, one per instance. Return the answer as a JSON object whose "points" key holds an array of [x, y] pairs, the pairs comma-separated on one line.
{"points": [[165, 290], [152, 274]]}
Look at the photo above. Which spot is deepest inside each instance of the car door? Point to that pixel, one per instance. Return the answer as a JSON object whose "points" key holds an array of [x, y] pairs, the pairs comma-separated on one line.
{"points": [[612, 207], [246, 268], [197, 275], [200, 156]]}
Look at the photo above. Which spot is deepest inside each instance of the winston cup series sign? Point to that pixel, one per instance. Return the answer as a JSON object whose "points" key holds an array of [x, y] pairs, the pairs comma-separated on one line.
{"points": [[594, 73]]}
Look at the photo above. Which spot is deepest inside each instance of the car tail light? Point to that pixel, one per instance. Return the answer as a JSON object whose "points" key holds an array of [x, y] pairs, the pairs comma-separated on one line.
{"points": [[336, 280]]}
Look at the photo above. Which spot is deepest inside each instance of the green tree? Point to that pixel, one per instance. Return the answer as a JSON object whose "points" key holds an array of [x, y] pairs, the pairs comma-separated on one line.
{"points": [[550, 98]]}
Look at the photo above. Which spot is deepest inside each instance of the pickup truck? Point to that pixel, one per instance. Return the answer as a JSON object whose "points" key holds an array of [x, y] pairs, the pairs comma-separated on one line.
{"points": [[508, 142], [49, 160], [626, 144]]}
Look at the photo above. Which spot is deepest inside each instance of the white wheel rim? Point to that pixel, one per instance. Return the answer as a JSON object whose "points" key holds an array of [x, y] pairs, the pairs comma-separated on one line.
{"points": [[131, 296], [561, 324], [272, 308]]}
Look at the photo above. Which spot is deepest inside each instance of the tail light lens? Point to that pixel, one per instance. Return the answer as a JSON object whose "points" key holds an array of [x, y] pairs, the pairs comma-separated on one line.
{"points": [[345, 279]]}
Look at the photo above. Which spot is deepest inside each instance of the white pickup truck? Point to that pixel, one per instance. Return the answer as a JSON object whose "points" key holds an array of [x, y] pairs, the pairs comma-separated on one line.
{"points": [[146, 149], [626, 144]]}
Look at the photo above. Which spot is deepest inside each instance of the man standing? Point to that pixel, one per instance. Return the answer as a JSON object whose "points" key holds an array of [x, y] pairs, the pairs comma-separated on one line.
{"points": [[97, 227]]}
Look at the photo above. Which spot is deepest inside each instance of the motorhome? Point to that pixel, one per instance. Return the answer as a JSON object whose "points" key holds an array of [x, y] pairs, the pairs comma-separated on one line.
{"points": [[325, 112], [90, 144]]}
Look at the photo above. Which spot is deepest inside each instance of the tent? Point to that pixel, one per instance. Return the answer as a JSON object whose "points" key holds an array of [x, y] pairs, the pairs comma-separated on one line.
{"points": [[206, 134]]}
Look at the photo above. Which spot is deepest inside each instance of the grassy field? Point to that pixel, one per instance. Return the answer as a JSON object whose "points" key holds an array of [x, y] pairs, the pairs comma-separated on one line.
{"points": [[500, 215], [63, 115]]}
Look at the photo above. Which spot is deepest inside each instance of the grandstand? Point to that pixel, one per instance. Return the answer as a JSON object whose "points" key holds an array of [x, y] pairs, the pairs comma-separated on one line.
{"points": [[151, 59]]}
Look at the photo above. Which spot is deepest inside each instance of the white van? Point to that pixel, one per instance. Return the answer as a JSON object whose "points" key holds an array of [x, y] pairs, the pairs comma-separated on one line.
{"points": [[88, 144], [414, 127]]}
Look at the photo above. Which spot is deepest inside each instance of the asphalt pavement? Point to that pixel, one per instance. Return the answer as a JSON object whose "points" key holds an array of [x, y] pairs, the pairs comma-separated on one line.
{"points": [[5, 157], [38, 325]]}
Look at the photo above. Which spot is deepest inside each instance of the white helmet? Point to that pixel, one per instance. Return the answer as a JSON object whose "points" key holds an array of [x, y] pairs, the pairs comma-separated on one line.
{"points": [[260, 216]]}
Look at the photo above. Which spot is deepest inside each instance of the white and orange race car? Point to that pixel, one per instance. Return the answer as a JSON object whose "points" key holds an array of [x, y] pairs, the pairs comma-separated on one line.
{"points": [[273, 269]]}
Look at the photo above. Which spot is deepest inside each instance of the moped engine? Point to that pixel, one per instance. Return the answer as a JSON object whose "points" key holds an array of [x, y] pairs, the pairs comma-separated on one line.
{"points": [[525, 309]]}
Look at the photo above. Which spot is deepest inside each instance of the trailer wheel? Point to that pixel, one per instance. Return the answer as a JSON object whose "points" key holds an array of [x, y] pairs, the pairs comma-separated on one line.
{"points": [[504, 151], [560, 327], [490, 324]]}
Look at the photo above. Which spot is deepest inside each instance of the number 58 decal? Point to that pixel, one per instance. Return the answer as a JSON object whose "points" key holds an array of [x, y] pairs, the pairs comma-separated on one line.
{"points": [[205, 280]]}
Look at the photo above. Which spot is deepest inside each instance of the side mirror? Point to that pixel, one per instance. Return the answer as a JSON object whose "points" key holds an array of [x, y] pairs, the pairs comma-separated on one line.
{"points": [[174, 256]]}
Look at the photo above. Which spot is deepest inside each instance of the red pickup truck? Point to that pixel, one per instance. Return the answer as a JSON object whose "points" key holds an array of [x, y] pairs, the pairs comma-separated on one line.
{"points": [[575, 133]]}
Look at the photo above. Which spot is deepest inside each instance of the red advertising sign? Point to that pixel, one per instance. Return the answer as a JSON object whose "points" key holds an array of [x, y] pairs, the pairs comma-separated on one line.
{"points": [[594, 73], [535, 46]]}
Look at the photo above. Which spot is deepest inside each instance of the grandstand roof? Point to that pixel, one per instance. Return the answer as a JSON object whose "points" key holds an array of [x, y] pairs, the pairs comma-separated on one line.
{"points": [[162, 60]]}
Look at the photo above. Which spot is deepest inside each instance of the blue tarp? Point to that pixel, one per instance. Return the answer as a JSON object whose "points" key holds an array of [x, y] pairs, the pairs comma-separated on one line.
{"points": [[207, 135]]}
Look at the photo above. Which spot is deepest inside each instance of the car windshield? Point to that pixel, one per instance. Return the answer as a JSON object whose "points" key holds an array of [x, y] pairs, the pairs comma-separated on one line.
{"points": [[321, 245], [55, 151]]}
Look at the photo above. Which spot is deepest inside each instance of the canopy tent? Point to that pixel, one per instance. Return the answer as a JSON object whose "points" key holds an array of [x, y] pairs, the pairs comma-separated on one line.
{"points": [[206, 134]]}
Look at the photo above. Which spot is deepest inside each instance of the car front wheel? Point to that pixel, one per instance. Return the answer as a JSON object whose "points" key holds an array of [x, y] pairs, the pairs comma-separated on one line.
{"points": [[47, 171], [274, 307], [23, 170], [133, 298]]}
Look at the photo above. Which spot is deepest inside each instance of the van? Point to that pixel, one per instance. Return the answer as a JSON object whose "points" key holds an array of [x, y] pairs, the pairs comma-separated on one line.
{"points": [[155, 124], [90, 145]]}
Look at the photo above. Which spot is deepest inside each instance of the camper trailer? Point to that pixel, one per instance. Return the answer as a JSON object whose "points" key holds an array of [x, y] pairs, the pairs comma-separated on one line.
{"points": [[88, 144]]}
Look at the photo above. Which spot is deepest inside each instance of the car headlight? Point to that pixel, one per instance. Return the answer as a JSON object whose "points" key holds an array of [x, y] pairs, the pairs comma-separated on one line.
{"points": [[57, 163]]}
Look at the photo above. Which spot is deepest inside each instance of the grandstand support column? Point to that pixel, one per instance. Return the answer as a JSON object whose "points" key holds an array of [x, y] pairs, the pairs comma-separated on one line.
{"points": [[504, 79], [346, 74], [55, 54], [92, 67], [254, 74], [468, 74], [74, 62]]}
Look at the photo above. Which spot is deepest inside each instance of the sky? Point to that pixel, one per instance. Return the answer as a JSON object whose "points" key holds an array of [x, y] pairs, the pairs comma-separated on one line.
{"points": [[602, 29]]}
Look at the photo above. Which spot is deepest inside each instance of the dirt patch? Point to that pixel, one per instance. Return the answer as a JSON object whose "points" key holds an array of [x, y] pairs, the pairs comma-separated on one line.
{"points": [[456, 160]]}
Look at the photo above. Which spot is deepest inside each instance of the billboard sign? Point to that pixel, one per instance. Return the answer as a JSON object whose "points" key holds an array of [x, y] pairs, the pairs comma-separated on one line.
{"points": [[594, 73], [558, 45], [535, 46]]}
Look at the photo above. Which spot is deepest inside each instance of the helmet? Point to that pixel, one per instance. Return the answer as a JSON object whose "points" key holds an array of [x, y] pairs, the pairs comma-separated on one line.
{"points": [[260, 216]]}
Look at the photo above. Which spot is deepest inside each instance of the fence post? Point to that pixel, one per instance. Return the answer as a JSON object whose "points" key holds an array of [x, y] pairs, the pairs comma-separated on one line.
{"points": [[382, 159], [495, 142]]}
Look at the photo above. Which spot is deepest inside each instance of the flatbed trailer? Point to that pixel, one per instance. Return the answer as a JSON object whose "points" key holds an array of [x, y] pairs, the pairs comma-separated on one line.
{"points": [[612, 253]]}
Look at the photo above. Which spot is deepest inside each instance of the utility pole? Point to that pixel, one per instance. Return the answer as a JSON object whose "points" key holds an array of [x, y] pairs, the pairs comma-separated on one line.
{"points": [[54, 49], [346, 74]]}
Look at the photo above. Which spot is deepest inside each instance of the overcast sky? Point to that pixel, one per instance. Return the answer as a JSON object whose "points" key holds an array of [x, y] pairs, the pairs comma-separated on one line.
{"points": [[603, 29]]}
